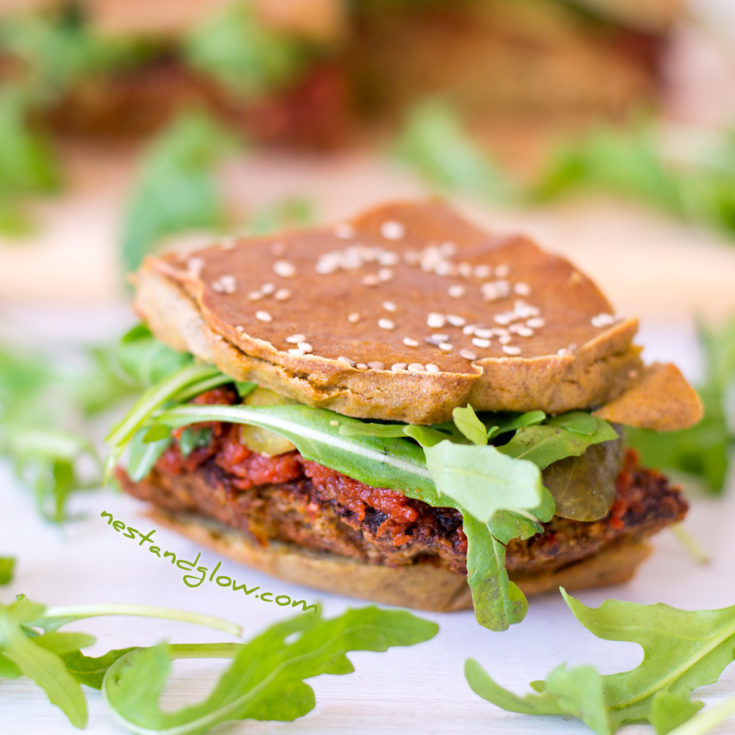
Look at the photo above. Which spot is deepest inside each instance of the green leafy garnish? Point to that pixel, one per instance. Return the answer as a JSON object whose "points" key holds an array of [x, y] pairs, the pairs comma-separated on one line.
{"points": [[683, 650], [433, 141], [7, 565], [176, 190], [704, 450], [30, 645], [265, 680], [245, 57], [466, 421]]}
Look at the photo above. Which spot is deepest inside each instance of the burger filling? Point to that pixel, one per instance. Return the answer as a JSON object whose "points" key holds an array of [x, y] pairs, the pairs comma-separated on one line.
{"points": [[258, 485]]}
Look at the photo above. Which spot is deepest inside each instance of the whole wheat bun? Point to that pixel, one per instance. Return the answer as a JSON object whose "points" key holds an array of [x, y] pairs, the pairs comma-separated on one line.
{"points": [[405, 313], [420, 586]]}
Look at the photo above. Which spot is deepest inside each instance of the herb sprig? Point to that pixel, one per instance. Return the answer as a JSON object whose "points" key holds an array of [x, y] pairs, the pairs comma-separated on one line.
{"points": [[265, 680], [683, 650]]}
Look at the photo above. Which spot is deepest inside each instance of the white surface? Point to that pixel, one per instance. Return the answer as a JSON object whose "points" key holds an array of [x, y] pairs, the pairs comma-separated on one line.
{"points": [[414, 690]]}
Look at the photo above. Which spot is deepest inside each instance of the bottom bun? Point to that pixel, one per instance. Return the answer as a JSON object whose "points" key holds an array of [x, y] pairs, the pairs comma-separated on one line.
{"points": [[420, 586]]}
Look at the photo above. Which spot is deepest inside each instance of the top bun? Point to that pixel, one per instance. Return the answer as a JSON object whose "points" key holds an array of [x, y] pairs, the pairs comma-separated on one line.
{"points": [[403, 314]]}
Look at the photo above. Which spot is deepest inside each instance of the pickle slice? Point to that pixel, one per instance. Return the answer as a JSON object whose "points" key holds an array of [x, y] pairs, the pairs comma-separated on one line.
{"points": [[262, 440]]}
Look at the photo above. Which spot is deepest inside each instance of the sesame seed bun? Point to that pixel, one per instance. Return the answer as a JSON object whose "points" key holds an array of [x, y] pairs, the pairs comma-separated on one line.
{"points": [[419, 586], [405, 313]]}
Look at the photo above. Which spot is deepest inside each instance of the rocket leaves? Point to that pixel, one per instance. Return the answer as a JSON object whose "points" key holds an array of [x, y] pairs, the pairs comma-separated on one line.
{"points": [[264, 680], [683, 650]]}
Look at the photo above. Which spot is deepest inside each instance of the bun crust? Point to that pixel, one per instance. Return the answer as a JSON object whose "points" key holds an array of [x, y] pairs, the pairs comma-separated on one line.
{"points": [[421, 586], [460, 316]]}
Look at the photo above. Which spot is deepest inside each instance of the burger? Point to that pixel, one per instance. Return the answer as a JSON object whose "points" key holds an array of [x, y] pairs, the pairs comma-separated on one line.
{"points": [[314, 72], [403, 408]]}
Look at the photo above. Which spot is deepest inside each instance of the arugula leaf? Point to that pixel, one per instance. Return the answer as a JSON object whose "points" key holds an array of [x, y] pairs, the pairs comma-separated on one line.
{"points": [[246, 58], [683, 650], [703, 450], [176, 190], [38, 663], [465, 419], [265, 680], [546, 443], [7, 566], [435, 144]]}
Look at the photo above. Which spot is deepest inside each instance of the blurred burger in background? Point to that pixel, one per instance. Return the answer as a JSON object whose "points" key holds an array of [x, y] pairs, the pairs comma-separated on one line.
{"points": [[316, 73]]}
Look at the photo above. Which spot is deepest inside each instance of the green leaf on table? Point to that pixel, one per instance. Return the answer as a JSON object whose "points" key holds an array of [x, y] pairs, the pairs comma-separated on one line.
{"points": [[176, 189], [683, 650], [569, 692], [702, 450], [265, 680], [7, 567], [91, 670], [436, 145], [235, 49], [36, 662]]}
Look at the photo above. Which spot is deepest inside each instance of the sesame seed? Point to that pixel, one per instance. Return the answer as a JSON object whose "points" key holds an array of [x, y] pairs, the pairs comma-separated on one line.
{"points": [[376, 365], [468, 354], [387, 257], [436, 339], [389, 306], [267, 288], [195, 265], [284, 268], [535, 323], [398, 366], [448, 248], [511, 350], [344, 231], [481, 271], [409, 342], [522, 331], [504, 339], [392, 230], [353, 318], [346, 360], [384, 274], [602, 320], [255, 295], [469, 329], [282, 294], [484, 333], [456, 321], [464, 269], [416, 367], [522, 288], [294, 339], [502, 271], [239, 328], [294, 352], [435, 321], [370, 280], [431, 368], [305, 347], [263, 316], [443, 268], [504, 318], [562, 352], [480, 342], [327, 263], [457, 290], [386, 324], [446, 346], [361, 366]]}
